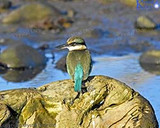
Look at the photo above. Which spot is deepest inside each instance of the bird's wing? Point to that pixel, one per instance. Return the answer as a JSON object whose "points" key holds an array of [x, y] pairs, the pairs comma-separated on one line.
{"points": [[86, 59], [79, 57], [71, 63]]}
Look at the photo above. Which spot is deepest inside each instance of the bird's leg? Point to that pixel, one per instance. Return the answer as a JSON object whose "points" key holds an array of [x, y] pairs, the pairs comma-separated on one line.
{"points": [[84, 88]]}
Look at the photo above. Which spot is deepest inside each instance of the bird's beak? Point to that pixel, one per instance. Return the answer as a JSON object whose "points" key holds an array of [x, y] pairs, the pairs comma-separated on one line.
{"points": [[63, 46]]}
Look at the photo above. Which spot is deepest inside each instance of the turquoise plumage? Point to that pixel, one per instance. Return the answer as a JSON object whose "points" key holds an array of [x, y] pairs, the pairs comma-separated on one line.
{"points": [[78, 76]]}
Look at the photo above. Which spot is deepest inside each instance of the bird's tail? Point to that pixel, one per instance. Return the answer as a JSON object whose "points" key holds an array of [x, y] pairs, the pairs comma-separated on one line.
{"points": [[78, 76]]}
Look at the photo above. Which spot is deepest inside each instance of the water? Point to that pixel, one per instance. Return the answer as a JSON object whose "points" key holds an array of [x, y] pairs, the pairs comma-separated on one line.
{"points": [[124, 68]]}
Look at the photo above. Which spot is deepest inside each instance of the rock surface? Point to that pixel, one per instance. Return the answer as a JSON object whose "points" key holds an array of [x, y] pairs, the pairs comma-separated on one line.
{"points": [[150, 57], [145, 22], [30, 12], [107, 103], [4, 4], [150, 61], [21, 56], [21, 75], [61, 64], [132, 3]]}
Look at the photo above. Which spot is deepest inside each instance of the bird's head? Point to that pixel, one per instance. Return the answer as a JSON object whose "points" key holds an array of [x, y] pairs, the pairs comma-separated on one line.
{"points": [[74, 43]]}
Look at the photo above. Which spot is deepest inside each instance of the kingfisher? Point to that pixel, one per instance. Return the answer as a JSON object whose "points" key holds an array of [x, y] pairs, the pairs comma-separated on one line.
{"points": [[78, 61]]}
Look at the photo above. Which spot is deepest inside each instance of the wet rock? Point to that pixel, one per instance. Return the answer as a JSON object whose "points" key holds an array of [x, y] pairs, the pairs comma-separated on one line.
{"points": [[139, 4], [132, 3], [21, 56], [5, 4], [65, 22], [30, 12], [107, 103], [44, 47], [141, 46], [46, 24], [105, 1], [150, 57], [95, 33], [145, 22], [71, 13], [41, 16], [21, 75], [150, 61], [61, 64]]}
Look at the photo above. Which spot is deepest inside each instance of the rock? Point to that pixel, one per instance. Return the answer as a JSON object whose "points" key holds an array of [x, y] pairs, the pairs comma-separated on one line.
{"points": [[71, 13], [21, 56], [5, 4], [145, 22], [65, 22], [97, 33], [61, 64], [107, 103], [30, 12], [21, 75], [46, 24], [105, 1], [137, 3], [39, 15], [141, 46], [150, 61], [132, 3], [150, 57], [4, 112]]}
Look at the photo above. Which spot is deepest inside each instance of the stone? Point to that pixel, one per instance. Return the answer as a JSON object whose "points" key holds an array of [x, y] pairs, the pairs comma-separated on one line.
{"points": [[150, 57], [21, 75], [150, 61], [132, 3], [106, 103], [30, 13], [145, 22], [5, 4], [20, 56], [137, 3], [61, 64]]}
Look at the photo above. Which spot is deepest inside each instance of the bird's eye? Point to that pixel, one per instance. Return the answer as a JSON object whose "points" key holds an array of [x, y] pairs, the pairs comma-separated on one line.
{"points": [[73, 44]]}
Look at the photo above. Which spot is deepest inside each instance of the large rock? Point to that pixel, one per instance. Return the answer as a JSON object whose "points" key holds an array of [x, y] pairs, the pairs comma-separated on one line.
{"points": [[21, 56], [150, 61], [5, 4], [108, 103], [145, 22], [138, 3], [21, 75], [31, 12], [132, 3], [61, 64]]}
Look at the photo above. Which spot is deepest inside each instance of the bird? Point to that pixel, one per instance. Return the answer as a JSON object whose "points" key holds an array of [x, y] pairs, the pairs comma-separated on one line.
{"points": [[78, 61]]}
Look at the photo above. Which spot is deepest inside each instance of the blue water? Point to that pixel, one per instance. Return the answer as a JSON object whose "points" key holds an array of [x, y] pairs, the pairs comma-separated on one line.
{"points": [[124, 68]]}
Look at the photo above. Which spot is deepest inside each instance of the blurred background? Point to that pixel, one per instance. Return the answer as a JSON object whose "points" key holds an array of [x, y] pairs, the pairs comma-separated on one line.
{"points": [[122, 36]]}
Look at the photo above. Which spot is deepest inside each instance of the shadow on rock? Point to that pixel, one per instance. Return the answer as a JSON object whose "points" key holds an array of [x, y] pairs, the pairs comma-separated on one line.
{"points": [[61, 64], [150, 61], [20, 62], [20, 56], [21, 75], [151, 68]]}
